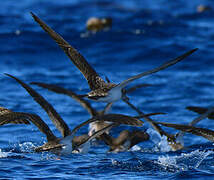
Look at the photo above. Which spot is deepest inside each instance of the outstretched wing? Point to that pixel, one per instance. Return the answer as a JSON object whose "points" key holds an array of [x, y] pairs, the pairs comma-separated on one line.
{"points": [[94, 80], [131, 89], [163, 66], [97, 133], [200, 110], [24, 118], [54, 116], [206, 133], [70, 93], [115, 118], [8, 116]]}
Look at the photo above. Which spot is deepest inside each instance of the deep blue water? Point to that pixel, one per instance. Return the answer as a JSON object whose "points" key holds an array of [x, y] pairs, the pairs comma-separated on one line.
{"points": [[144, 34]]}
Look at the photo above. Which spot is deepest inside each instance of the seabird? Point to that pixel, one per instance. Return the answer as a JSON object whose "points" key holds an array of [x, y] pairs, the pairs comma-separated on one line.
{"points": [[125, 141], [97, 125], [53, 143], [65, 143], [206, 133], [100, 90], [171, 139]]}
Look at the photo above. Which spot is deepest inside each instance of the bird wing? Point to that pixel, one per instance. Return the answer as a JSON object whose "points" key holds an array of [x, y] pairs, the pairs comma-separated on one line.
{"points": [[163, 66], [70, 93], [24, 118], [94, 80], [53, 115], [206, 133], [200, 110], [98, 133], [115, 118]]}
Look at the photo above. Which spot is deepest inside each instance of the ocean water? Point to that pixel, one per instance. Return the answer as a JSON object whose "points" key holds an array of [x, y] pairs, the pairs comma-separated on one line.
{"points": [[144, 34]]}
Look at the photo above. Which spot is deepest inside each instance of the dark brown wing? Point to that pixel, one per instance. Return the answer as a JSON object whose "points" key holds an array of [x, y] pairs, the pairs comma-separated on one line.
{"points": [[148, 119], [137, 137], [94, 80], [98, 133], [121, 119], [163, 66], [106, 109], [24, 118], [108, 140], [200, 110], [150, 114], [121, 139], [115, 118], [54, 116], [70, 93], [131, 89], [9, 116], [206, 133]]}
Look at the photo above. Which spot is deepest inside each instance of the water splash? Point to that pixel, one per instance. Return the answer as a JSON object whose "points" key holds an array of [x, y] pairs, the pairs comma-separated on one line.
{"points": [[185, 161], [27, 147], [136, 148], [161, 143], [3, 154]]}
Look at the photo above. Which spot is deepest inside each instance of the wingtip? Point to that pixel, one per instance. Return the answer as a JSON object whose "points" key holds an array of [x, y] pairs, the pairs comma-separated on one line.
{"points": [[12, 76], [191, 108], [8, 75], [32, 14], [195, 49]]}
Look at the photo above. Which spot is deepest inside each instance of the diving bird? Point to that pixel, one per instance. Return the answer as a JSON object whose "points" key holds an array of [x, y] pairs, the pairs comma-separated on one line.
{"points": [[100, 90], [62, 145], [171, 139], [206, 133], [125, 141]]}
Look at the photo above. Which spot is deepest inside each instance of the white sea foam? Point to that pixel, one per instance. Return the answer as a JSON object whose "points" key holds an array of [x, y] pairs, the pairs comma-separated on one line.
{"points": [[26, 146], [161, 143], [185, 161], [3, 154], [136, 148]]}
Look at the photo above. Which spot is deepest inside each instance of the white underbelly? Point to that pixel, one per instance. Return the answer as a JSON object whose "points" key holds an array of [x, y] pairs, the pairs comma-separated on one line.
{"points": [[114, 94]]}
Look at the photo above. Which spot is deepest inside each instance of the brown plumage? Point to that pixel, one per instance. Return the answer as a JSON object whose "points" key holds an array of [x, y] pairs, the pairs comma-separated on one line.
{"points": [[125, 140], [100, 90], [53, 143], [206, 133], [171, 139], [201, 110]]}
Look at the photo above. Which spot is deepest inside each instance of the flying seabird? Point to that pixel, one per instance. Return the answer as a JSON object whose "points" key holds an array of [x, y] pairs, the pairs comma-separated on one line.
{"points": [[100, 90]]}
